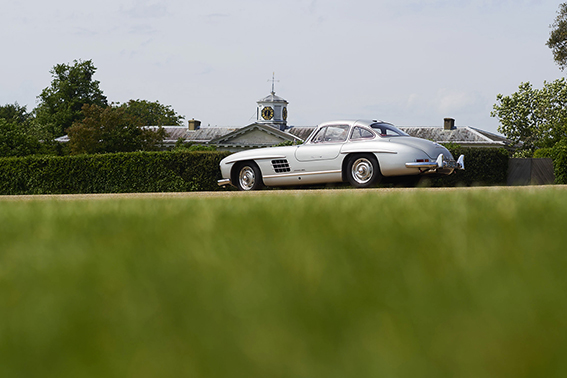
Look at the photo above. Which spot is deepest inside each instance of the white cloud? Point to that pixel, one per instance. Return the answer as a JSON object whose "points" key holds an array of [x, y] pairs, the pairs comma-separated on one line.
{"points": [[145, 9], [450, 101]]}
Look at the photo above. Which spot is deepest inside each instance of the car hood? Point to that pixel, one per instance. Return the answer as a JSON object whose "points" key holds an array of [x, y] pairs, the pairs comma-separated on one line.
{"points": [[432, 149]]}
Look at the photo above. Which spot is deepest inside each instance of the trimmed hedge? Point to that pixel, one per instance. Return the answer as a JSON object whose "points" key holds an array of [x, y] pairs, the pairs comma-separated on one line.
{"points": [[183, 171], [559, 155], [134, 172], [483, 166]]}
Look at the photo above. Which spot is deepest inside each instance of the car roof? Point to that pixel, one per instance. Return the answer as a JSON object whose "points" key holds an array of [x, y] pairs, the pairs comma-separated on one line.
{"points": [[351, 122]]}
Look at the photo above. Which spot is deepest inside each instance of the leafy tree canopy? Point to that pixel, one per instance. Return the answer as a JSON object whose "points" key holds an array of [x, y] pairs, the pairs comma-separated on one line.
{"points": [[535, 117], [14, 113], [19, 135], [153, 113], [557, 41], [72, 87], [16, 141], [111, 129]]}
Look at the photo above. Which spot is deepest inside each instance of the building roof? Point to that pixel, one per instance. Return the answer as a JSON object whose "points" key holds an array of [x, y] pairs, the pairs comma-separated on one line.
{"points": [[273, 135], [202, 135], [272, 98], [492, 136], [466, 136], [174, 133]]}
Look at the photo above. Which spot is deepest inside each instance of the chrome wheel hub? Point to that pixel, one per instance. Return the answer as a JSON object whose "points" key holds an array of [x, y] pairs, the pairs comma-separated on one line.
{"points": [[362, 170], [246, 178]]}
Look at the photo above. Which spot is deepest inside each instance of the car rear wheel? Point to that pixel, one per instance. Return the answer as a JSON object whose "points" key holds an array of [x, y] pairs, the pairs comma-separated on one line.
{"points": [[248, 177], [363, 171]]}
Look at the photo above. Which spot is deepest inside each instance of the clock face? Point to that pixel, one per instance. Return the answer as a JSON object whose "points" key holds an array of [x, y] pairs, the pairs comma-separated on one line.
{"points": [[267, 113], [284, 114]]}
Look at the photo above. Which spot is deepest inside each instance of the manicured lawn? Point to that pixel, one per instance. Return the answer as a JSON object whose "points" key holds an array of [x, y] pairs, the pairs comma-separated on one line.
{"points": [[418, 283]]}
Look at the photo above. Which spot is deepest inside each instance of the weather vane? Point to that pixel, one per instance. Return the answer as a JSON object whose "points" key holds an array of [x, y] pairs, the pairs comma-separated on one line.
{"points": [[274, 81]]}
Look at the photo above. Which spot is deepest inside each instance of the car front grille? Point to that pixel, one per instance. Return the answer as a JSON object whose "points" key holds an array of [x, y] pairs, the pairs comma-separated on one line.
{"points": [[281, 166]]}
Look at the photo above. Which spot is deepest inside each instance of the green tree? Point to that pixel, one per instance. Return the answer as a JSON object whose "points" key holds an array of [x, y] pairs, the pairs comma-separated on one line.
{"points": [[557, 41], [72, 87], [18, 136], [14, 113], [15, 141], [153, 113], [111, 129], [535, 117]]}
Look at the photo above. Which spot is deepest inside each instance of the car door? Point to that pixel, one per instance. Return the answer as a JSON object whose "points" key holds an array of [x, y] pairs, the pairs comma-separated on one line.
{"points": [[325, 145]]}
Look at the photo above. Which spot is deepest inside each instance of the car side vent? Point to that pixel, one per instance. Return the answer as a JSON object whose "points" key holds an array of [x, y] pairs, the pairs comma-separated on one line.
{"points": [[281, 166]]}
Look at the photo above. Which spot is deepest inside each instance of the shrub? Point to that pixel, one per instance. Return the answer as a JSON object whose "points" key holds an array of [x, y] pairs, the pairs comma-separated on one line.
{"points": [[180, 145], [558, 154], [111, 173], [543, 153]]}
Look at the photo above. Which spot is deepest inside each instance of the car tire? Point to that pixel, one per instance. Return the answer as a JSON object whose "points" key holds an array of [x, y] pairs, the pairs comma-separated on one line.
{"points": [[247, 176], [363, 171]]}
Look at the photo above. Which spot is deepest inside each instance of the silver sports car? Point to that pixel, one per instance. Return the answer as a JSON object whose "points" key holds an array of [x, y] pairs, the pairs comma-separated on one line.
{"points": [[360, 152]]}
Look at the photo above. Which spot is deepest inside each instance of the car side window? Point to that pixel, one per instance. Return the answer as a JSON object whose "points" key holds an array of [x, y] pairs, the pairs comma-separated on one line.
{"points": [[387, 130], [331, 134], [361, 133], [390, 132]]}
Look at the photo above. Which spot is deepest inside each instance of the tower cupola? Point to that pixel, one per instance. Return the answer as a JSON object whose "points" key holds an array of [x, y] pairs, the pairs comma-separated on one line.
{"points": [[272, 110]]}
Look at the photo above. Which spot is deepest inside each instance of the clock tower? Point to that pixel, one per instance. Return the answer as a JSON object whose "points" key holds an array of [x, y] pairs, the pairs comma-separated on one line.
{"points": [[272, 110]]}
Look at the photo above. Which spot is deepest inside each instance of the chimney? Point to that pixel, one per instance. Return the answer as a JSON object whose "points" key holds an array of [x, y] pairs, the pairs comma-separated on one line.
{"points": [[449, 124], [194, 124]]}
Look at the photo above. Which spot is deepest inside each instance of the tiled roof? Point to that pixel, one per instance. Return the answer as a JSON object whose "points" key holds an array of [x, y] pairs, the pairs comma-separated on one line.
{"points": [[459, 135], [492, 136], [202, 135]]}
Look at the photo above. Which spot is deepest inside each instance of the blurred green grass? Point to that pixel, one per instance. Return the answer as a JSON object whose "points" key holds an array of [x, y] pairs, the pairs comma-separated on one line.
{"points": [[419, 283]]}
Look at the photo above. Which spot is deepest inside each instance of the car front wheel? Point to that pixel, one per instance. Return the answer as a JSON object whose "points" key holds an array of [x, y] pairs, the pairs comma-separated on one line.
{"points": [[248, 177], [363, 171]]}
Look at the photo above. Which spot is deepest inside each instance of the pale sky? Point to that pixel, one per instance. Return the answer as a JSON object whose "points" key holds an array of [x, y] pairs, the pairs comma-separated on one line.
{"points": [[409, 62]]}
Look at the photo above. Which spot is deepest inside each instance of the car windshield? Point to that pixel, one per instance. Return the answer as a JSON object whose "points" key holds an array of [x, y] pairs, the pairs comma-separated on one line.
{"points": [[387, 130]]}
